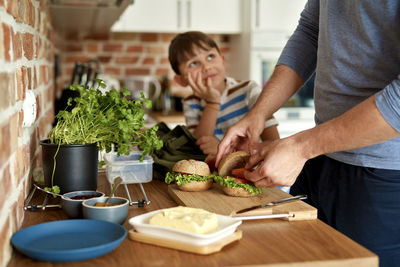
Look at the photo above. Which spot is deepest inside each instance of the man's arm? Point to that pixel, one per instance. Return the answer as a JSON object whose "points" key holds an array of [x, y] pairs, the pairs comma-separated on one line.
{"points": [[361, 126], [282, 160], [270, 133]]}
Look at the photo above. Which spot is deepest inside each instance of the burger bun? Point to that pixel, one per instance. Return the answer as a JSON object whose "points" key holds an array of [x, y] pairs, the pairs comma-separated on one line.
{"points": [[236, 192], [193, 167], [195, 186], [234, 160]]}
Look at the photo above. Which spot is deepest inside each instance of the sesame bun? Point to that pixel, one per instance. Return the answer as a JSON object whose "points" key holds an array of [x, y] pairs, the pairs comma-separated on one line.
{"points": [[195, 186], [192, 166], [236, 192], [234, 160]]}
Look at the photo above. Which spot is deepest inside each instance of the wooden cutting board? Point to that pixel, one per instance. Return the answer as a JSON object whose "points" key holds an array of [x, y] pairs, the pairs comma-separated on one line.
{"points": [[215, 200]]}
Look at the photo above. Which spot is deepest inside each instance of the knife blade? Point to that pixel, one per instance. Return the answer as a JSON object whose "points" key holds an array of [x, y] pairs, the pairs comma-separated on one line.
{"points": [[273, 203]]}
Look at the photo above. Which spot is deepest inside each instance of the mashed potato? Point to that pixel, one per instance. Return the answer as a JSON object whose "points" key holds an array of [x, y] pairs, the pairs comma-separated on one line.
{"points": [[187, 219]]}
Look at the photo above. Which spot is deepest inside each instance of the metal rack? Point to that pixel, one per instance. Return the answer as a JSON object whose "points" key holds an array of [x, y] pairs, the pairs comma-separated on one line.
{"points": [[35, 207], [139, 203]]}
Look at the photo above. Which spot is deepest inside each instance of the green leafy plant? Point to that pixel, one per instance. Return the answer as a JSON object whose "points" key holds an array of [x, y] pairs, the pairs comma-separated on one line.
{"points": [[110, 120]]}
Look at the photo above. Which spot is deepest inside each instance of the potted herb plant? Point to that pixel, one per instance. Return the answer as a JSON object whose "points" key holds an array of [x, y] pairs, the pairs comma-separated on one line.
{"points": [[94, 122]]}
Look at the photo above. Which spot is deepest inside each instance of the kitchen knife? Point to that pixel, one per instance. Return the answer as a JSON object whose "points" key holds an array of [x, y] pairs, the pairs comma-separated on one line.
{"points": [[273, 203]]}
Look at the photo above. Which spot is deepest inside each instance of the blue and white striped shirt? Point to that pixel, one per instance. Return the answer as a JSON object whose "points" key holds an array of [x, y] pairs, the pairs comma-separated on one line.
{"points": [[236, 100]]}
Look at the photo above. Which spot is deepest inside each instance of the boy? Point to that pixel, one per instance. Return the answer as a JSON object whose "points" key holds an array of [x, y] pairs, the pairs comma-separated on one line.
{"points": [[218, 101]]}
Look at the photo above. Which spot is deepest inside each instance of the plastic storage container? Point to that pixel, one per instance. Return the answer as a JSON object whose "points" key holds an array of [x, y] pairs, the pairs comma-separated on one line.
{"points": [[129, 168]]}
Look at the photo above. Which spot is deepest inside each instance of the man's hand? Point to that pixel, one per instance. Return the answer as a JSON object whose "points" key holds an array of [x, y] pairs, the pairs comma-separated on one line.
{"points": [[279, 163], [208, 144], [244, 135]]}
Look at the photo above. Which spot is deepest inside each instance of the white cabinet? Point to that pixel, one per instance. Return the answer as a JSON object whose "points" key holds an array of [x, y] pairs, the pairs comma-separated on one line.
{"points": [[210, 16], [216, 16], [266, 27], [150, 16], [276, 15]]}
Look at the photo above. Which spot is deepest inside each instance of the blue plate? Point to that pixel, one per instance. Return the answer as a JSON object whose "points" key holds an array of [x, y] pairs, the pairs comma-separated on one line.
{"points": [[68, 240]]}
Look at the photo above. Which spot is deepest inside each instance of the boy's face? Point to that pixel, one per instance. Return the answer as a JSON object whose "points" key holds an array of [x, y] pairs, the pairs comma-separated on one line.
{"points": [[209, 64]]}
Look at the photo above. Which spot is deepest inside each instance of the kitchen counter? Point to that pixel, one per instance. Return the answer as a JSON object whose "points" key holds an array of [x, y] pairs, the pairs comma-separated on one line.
{"points": [[272, 242], [171, 119]]}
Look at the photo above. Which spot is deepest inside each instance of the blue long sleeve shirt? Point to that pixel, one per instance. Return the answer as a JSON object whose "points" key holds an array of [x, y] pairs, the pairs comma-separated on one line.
{"points": [[354, 47]]}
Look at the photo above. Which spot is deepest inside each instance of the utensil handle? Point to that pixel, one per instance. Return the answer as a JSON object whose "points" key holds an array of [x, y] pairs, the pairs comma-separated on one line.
{"points": [[298, 197]]}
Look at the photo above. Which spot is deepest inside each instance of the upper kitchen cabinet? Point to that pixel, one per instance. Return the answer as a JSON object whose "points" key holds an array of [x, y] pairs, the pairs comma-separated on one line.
{"points": [[210, 16], [215, 16], [89, 16], [276, 15]]}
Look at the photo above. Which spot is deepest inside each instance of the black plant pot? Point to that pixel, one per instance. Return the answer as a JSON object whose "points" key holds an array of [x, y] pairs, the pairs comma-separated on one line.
{"points": [[76, 166]]}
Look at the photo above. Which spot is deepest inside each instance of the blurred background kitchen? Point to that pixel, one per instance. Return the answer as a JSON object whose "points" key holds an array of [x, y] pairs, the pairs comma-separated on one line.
{"points": [[131, 49], [45, 45]]}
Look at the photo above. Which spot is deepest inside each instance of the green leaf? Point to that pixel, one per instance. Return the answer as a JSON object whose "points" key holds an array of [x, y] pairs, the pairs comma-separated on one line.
{"points": [[106, 119]]}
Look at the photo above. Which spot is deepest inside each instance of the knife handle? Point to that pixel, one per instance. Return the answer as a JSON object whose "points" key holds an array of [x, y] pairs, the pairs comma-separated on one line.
{"points": [[298, 197]]}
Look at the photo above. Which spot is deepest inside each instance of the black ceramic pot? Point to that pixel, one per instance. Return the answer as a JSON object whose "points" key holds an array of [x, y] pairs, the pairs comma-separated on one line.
{"points": [[76, 166]]}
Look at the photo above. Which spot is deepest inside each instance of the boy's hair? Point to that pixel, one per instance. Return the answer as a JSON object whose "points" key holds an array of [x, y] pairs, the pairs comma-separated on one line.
{"points": [[181, 47]]}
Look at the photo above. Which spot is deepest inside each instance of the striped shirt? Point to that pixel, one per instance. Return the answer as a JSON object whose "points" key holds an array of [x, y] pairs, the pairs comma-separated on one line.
{"points": [[236, 100]]}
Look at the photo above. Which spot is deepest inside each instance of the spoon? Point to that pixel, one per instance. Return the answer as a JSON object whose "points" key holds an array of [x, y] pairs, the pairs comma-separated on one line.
{"points": [[48, 192], [117, 182]]}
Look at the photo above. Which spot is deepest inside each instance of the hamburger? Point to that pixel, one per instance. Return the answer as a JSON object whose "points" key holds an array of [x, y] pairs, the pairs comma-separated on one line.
{"points": [[190, 175], [231, 176]]}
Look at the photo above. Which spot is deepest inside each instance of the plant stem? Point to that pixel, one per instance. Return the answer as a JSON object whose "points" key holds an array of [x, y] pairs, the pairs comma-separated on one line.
{"points": [[54, 164]]}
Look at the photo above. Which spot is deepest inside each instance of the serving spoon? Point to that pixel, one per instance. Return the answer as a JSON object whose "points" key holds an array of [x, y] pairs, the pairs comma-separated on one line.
{"points": [[48, 192], [117, 182]]}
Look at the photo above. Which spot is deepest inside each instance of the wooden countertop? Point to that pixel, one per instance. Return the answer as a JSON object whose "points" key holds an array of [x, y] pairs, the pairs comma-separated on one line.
{"points": [[175, 117], [271, 242]]}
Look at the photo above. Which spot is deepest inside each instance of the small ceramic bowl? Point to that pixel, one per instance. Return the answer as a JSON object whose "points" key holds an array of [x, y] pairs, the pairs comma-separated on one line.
{"points": [[115, 214], [71, 202]]}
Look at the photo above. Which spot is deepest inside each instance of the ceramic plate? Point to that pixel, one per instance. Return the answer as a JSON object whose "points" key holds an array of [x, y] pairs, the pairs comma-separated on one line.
{"points": [[68, 240], [226, 226]]}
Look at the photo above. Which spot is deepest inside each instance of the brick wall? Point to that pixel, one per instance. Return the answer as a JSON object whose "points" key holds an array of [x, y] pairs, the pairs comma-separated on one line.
{"points": [[28, 45], [124, 54], [26, 63]]}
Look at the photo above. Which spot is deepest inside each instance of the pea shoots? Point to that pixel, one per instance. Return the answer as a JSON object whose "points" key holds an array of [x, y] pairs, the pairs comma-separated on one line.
{"points": [[109, 120]]}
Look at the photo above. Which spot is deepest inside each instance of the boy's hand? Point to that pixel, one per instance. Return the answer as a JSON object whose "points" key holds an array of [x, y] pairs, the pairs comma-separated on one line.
{"points": [[204, 88], [208, 144]]}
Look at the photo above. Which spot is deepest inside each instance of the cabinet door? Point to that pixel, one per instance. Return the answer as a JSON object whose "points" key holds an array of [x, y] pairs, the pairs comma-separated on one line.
{"points": [[151, 16], [214, 16], [277, 15]]}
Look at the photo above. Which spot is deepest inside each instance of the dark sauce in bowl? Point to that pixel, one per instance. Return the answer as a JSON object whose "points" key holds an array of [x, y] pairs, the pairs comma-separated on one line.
{"points": [[82, 197]]}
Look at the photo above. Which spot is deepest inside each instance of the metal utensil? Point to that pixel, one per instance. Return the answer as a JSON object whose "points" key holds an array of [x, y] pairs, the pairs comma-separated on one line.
{"points": [[273, 203], [48, 192], [117, 182], [262, 217]]}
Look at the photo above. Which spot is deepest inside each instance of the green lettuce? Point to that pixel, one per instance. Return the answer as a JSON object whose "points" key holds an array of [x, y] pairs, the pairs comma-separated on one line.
{"points": [[182, 179], [230, 182]]}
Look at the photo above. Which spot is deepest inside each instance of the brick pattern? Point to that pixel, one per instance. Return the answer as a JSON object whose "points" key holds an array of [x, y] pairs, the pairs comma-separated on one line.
{"points": [[124, 54], [27, 50], [28, 45]]}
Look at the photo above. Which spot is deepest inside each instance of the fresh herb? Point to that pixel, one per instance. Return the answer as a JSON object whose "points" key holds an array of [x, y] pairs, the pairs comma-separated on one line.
{"points": [[182, 179], [229, 181], [109, 120]]}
